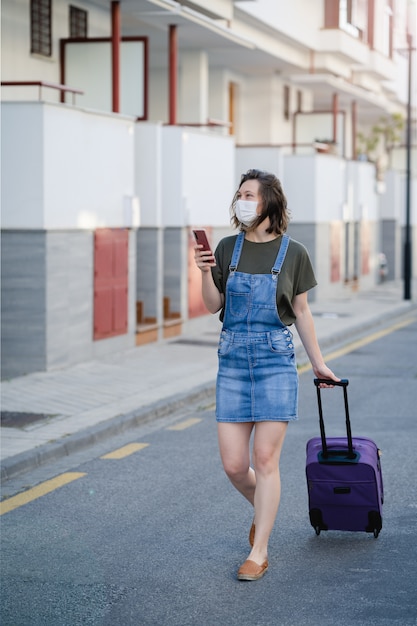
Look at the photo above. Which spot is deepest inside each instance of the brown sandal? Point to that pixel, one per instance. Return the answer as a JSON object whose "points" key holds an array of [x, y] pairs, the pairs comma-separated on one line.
{"points": [[251, 570]]}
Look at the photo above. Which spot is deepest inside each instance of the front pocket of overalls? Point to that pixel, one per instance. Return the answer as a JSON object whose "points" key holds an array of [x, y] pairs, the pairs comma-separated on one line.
{"points": [[239, 303], [281, 343], [225, 343]]}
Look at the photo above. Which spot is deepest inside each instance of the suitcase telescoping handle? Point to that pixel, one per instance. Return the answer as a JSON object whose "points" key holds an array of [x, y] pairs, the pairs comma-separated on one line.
{"points": [[342, 383]]}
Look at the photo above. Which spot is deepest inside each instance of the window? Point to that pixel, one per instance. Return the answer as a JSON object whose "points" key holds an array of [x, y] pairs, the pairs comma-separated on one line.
{"points": [[353, 17], [77, 23], [41, 27], [286, 102], [388, 28], [349, 15]]}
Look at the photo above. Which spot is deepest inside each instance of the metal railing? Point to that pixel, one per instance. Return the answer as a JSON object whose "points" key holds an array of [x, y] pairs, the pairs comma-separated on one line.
{"points": [[43, 84]]}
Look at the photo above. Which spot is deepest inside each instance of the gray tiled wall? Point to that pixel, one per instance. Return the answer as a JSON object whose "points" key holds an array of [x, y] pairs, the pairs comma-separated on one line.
{"points": [[391, 247], [148, 251], [23, 302], [69, 296], [47, 301], [173, 267]]}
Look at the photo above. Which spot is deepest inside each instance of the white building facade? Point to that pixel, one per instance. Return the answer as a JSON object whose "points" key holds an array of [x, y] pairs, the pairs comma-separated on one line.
{"points": [[126, 124]]}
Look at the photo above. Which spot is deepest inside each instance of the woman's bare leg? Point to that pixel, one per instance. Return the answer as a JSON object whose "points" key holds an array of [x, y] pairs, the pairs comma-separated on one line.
{"points": [[268, 441], [234, 441]]}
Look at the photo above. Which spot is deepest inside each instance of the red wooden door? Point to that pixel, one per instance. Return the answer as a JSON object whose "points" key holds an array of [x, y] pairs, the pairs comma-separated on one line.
{"points": [[110, 282]]}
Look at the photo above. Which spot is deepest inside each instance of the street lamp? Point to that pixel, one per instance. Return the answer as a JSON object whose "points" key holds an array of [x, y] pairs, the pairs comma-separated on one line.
{"points": [[407, 243]]}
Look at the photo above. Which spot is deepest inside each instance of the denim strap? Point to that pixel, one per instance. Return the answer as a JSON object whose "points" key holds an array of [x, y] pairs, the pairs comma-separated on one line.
{"points": [[281, 254], [237, 251]]}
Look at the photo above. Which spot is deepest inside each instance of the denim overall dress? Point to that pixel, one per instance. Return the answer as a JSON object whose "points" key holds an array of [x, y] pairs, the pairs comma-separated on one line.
{"points": [[257, 378]]}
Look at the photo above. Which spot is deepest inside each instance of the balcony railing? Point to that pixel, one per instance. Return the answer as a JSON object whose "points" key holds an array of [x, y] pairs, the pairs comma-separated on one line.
{"points": [[63, 89]]}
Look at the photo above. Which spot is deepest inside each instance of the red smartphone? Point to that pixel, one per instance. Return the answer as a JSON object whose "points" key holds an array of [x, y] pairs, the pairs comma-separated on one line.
{"points": [[201, 239]]}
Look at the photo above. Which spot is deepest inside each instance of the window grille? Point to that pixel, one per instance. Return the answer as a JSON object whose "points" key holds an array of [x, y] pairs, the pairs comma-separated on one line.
{"points": [[77, 23], [41, 27]]}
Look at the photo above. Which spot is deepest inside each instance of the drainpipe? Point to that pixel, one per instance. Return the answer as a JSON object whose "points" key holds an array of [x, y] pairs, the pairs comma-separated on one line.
{"points": [[173, 56], [115, 53]]}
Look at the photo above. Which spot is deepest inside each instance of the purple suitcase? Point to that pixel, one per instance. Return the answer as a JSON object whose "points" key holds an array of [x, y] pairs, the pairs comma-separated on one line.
{"points": [[344, 479]]}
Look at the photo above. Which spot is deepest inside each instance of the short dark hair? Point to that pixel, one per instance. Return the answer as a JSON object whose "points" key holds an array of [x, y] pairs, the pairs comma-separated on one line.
{"points": [[274, 202]]}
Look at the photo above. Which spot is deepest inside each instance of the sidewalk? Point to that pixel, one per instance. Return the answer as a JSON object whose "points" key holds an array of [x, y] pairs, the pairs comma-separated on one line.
{"points": [[83, 404]]}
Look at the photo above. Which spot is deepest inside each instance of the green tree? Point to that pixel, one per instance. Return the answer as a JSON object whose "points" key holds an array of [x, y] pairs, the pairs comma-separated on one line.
{"points": [[386, 132]]}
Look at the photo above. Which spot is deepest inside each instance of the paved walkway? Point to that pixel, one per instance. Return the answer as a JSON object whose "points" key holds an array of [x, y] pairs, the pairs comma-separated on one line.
{"points": [[90, 401]]}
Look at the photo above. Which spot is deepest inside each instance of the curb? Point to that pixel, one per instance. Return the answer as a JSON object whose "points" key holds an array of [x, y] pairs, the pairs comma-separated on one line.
{"points": [[341, 338], [49, 452]]}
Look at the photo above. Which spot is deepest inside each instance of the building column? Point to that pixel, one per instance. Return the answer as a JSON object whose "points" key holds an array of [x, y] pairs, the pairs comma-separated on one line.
{"points": [[115, 55], [173, 73]]}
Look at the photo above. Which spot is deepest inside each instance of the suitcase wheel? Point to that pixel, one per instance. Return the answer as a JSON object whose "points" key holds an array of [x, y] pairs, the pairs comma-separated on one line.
{"points": [[316, 520], [375, 523]]}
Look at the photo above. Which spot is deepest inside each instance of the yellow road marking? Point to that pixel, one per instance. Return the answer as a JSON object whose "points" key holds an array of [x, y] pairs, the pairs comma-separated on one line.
{"points": [[360, 342], [185, 424], [38, 491], [121, 453]]}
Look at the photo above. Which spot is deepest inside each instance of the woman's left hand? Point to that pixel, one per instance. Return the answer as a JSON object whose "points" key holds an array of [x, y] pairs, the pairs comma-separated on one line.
{"points": [[325, 372]]}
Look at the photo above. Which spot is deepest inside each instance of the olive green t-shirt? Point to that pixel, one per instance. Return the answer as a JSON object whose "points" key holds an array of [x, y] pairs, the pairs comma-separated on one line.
{"points": [[297, 274]]}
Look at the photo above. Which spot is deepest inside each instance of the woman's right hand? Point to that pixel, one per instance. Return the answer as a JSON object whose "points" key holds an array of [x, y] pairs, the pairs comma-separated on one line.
{"points": [[212, 297], [204, 259]]}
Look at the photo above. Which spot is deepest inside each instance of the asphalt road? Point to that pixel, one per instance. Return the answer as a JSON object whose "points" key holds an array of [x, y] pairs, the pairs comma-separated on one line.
{"points": [[156, 537]]}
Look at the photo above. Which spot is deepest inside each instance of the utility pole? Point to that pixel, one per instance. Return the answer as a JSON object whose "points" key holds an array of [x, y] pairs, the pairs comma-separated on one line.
{"points": [[407, 243]]}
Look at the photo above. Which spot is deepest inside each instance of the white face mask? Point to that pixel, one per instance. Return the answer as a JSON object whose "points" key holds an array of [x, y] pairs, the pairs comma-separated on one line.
{"points": [[246, 211]]}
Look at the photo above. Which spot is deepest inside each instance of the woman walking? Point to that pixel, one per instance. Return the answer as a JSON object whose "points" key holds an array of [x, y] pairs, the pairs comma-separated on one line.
{"points": [[259, 281]]}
